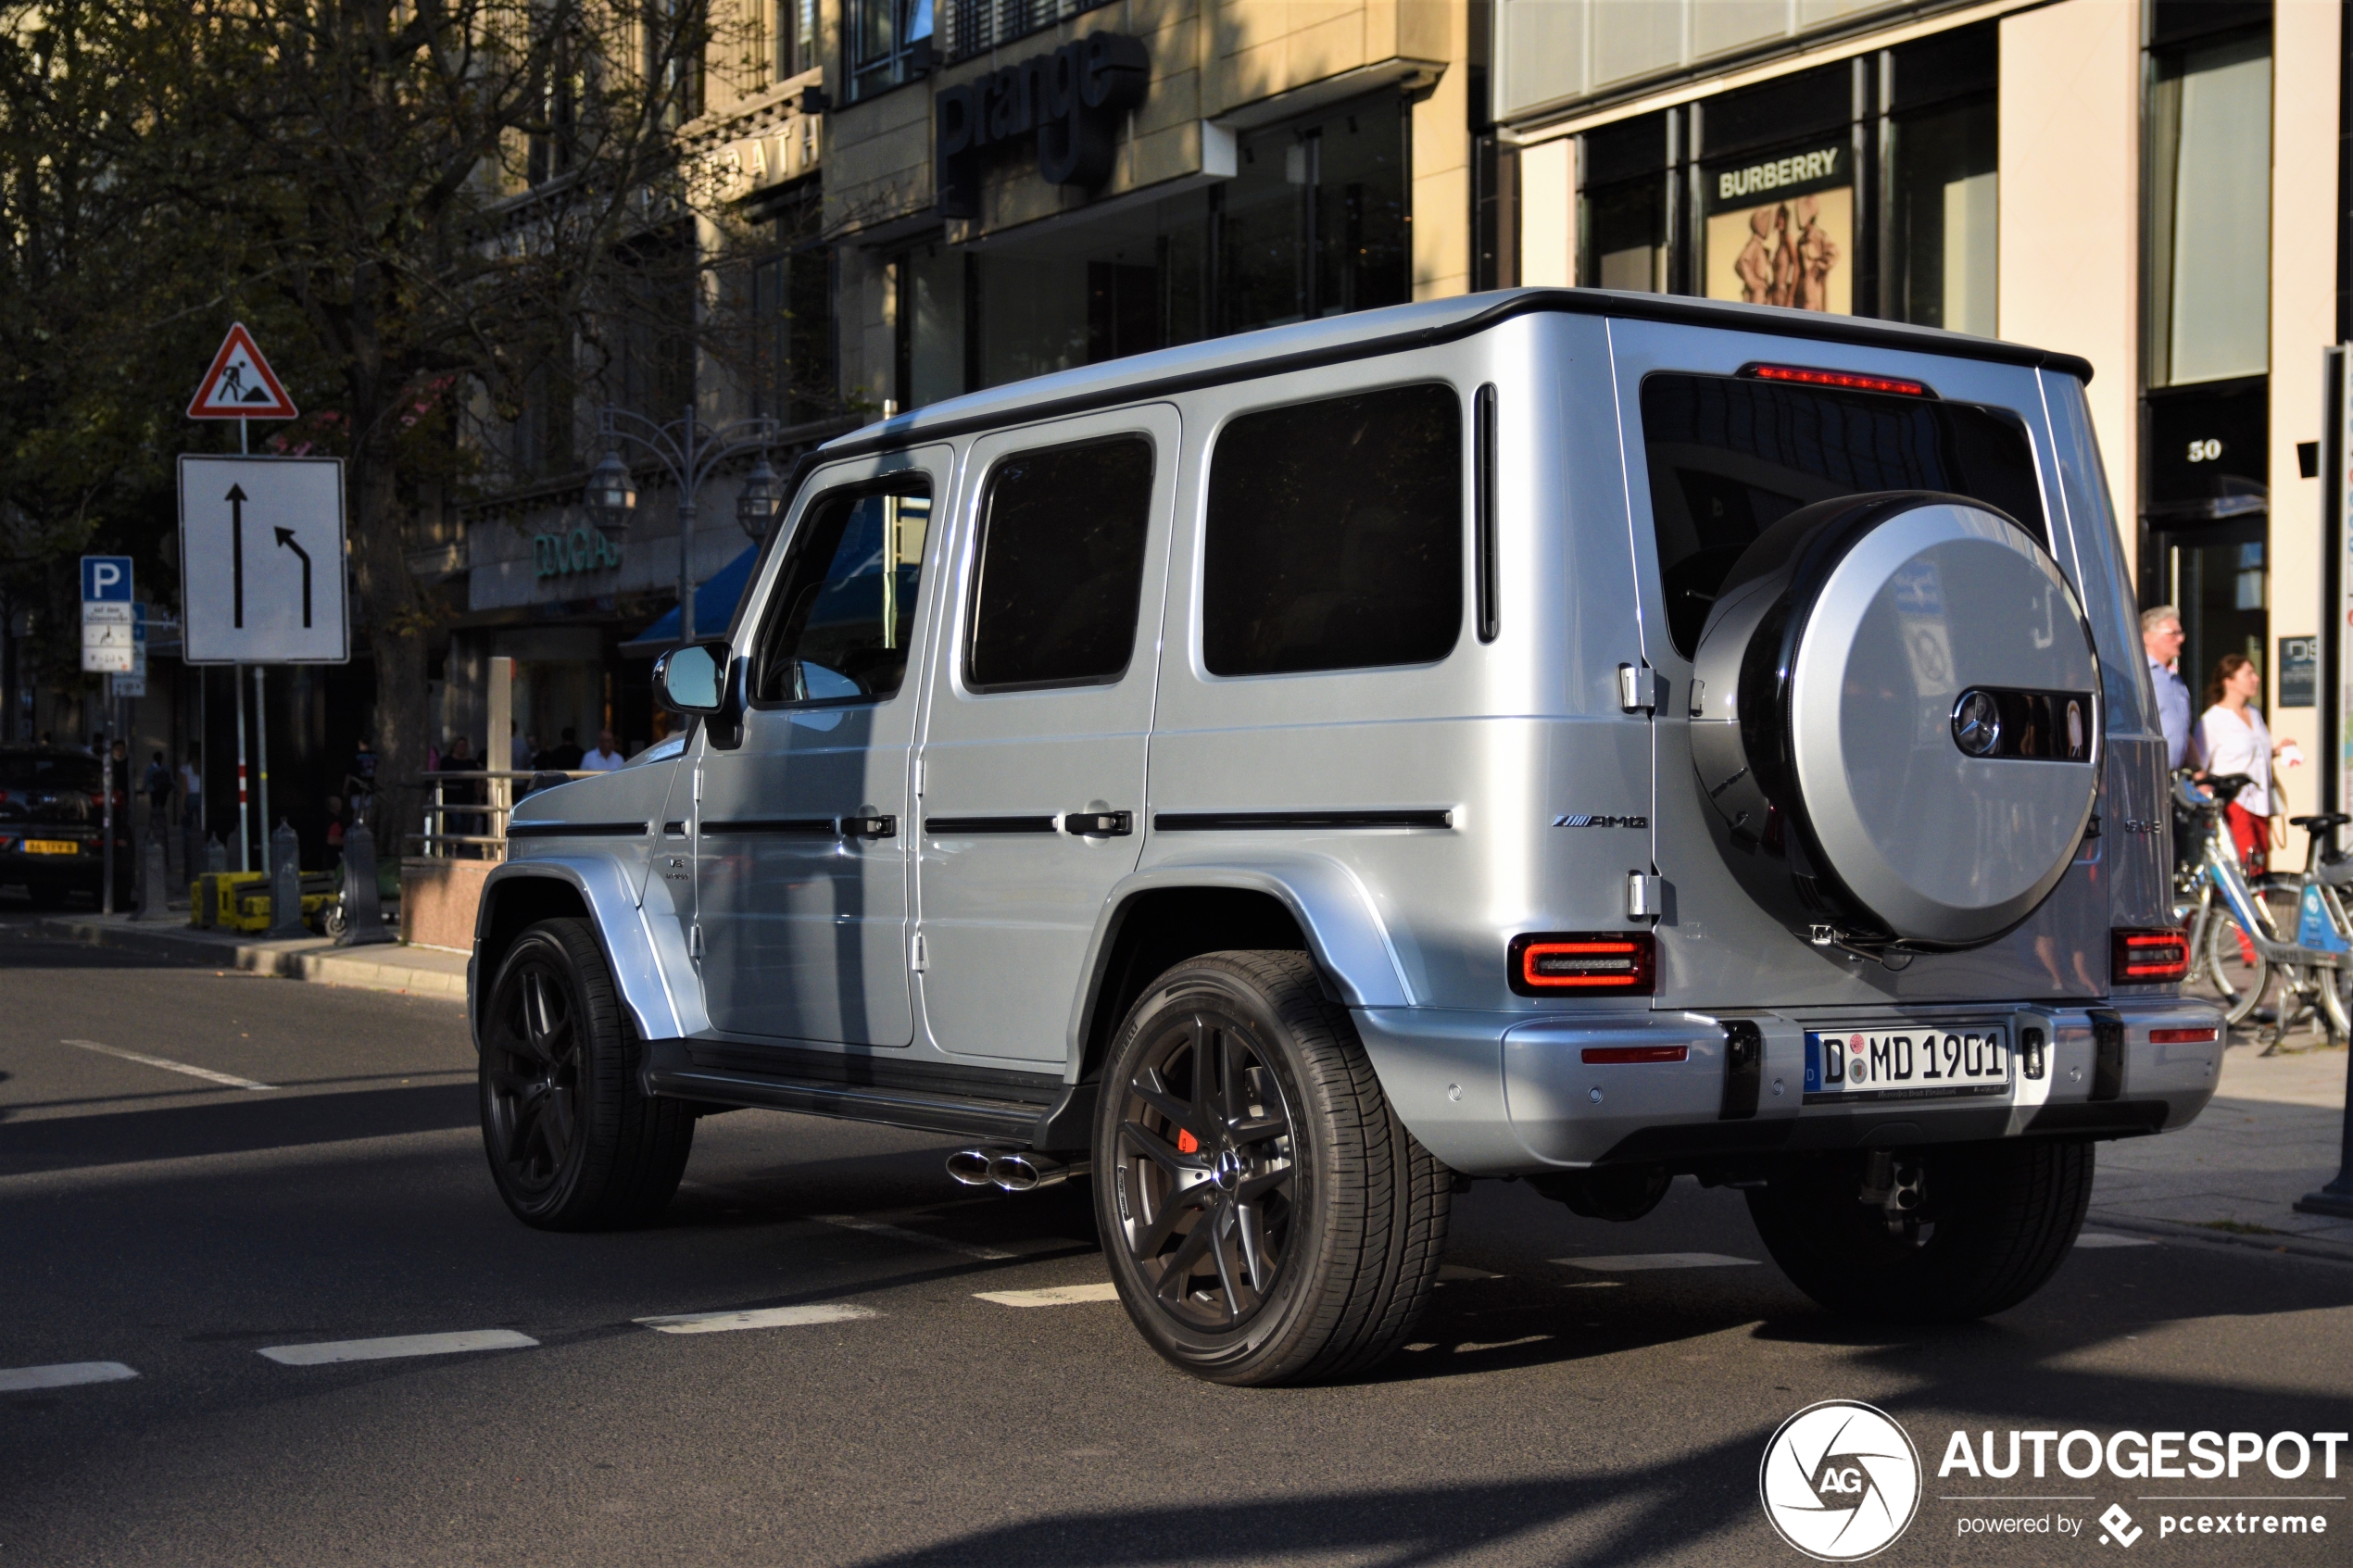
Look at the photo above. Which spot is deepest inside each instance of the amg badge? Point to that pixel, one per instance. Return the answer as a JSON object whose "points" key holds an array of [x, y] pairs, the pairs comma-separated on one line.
{"points": [[1582, 820]]}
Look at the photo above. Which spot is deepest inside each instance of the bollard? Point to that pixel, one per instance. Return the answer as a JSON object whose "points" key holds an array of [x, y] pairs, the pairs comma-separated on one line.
{"points": [[216, 856], [286, 884], [155, 879], [363, 919]]}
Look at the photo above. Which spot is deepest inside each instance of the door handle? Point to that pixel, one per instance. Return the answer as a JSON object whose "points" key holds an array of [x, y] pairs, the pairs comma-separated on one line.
{"points": [[1099, 825], [869, 827]]}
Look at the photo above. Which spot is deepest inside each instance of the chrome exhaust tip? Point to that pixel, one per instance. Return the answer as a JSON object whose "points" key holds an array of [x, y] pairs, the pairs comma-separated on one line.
{"points": [[970, 1167], [1029, 1173]]}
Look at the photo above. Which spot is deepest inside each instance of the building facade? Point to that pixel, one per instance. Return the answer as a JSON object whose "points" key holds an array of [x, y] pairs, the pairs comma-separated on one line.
{"points": [[2154, 185], [1018, 186]]}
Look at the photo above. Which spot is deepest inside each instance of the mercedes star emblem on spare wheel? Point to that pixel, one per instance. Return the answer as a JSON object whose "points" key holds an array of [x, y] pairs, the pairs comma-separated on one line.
{"points": [[1977, 722]]}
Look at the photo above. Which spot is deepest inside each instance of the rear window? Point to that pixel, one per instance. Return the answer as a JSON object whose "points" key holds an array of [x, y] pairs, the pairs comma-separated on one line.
{"points": [[1335, 535], [22, 772], [1729, 457]]}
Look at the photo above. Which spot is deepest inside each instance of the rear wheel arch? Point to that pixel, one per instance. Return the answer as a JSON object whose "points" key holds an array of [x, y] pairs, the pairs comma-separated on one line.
{"points": [[1153, 930]]}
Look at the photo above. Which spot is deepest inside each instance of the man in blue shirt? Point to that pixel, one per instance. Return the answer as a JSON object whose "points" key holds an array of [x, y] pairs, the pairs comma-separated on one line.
{"points": [[2161, 636]]}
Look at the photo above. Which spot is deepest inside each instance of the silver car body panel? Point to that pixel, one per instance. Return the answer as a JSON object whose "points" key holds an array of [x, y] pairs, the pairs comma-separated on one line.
{"points": [[1534, 793]]}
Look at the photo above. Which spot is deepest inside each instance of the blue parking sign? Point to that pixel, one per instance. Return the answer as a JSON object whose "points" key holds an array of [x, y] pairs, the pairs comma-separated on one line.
{"points": [[104, 579]]}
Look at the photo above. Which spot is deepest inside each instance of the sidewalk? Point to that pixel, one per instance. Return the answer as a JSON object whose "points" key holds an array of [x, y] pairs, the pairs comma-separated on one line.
{"points": [[2271, 1134], [421, 972]]}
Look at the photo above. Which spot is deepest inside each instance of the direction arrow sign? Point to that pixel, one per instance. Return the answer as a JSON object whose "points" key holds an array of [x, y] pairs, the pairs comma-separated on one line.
{"points": [[262, 560], [239, 385]]}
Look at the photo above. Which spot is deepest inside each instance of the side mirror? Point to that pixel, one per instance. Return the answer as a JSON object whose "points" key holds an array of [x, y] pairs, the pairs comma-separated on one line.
{"points": [[692, 679]]}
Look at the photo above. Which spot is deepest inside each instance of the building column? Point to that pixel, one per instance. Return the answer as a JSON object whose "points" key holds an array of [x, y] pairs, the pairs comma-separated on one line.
{"points": [[2071, 211]]}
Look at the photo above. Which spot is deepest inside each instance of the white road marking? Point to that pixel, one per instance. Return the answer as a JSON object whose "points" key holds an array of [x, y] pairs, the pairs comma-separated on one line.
{"points": [[876, 1227], [17, 1379], [759, 1317], [1051, 1296], [398, 1346], [207, 1073], [2110, 1238], [1594, 1285], [1632, 1262], [1462, 1271]]}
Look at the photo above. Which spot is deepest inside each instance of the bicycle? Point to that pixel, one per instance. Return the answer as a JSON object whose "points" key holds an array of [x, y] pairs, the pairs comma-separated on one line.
{"points": [[2229, 919]]}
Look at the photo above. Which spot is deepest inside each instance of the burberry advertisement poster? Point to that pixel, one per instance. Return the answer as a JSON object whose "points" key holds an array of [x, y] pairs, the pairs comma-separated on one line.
{"points": [[1780, 230]]}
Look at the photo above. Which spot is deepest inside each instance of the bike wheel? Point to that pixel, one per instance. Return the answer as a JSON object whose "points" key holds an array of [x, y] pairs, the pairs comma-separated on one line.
{"points": [[2241, 985]]}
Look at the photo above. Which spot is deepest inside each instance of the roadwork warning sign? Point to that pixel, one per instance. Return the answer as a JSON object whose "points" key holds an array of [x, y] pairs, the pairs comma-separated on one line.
{"points": [[241, 385]]}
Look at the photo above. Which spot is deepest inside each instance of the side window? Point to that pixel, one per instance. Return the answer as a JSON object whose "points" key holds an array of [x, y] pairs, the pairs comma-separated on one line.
{"points": [[1335, 534], [1062, 566], [837, 626]]}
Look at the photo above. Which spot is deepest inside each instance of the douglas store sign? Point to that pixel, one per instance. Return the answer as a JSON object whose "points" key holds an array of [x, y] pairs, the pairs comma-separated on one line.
{"points": [[1072, 98]]}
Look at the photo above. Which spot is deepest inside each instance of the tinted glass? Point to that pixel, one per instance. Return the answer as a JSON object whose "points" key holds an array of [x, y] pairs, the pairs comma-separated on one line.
{"points": [[1061, 565], [20, 770], [844, 609], [1335, 534], [1731, 457]]}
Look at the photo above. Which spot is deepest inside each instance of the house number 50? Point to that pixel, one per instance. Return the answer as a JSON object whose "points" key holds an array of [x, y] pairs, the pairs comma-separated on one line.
{"points": [[2205, 451]]}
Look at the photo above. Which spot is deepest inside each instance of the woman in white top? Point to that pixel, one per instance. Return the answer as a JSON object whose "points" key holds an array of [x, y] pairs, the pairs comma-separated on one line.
{"points": [[2232, 739]]}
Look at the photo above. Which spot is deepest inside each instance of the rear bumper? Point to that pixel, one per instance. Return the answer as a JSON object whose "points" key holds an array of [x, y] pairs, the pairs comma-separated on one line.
{"points": [[85, 868], [1494, 1094]]}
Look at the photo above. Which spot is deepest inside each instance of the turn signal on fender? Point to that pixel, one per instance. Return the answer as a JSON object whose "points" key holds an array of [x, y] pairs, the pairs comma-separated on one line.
{"points": [[1584, 963], [2147, 957]]}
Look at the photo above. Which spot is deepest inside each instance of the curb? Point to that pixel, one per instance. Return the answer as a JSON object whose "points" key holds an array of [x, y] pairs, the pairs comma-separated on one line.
{"points": [[354, 968], [2184, 1230]]}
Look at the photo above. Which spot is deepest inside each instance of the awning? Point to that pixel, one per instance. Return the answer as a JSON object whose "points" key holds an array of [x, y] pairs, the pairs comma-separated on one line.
{"points": [[715, 607]]}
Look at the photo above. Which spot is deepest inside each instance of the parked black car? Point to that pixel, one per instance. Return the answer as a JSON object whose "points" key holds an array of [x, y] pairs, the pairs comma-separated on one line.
{"points": [[51, 812]]}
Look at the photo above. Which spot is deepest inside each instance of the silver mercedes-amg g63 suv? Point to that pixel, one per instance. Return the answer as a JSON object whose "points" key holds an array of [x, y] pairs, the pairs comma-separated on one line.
{"points": [[1578, 737]]}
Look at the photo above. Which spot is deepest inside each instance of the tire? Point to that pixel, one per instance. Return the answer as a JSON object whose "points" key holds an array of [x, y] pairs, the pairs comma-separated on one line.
{"points": [[1995, 1221], [574, 1143], [1325, 1219]]}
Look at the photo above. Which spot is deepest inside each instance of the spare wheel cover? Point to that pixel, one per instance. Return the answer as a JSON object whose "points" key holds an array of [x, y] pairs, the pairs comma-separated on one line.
{"points": [[1939, 601]]}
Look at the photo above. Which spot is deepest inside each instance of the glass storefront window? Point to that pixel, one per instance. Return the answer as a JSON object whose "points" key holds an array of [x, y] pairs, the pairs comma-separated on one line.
{"points": [[1944, 261], [1626, 237], [931, 302], [1314, 222], [2209, 230], [1778, 227]]}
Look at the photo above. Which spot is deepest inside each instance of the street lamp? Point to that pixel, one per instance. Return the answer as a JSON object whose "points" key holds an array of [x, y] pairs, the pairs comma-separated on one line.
{"points": [[688, 450], [762, 500], [613, 495]]}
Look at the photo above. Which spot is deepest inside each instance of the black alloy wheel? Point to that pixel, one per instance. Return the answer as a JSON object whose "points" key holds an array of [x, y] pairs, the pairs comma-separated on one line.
{"points": [[531, 1070], [1212, 1202], [1265, 1215], [574, 1143]]}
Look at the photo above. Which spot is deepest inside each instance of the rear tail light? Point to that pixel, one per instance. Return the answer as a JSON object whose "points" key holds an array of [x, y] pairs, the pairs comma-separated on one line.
{"points": [[1627, 1056], [2201, 1036], [1584, 963], [2148, 957], [1844, 381]]}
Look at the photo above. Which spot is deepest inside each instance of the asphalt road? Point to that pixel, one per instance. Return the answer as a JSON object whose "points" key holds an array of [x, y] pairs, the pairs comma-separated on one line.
{"points": [[1547, 1413]]}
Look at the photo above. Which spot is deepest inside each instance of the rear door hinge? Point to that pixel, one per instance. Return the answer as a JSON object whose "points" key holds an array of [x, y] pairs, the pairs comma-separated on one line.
{"points": [[1637, 688], [917, 958], [1645, 896], [694, 940]]}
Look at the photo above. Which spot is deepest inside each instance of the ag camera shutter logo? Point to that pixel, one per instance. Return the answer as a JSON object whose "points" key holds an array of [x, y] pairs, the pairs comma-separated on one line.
{"points": [[1840, 1481]]}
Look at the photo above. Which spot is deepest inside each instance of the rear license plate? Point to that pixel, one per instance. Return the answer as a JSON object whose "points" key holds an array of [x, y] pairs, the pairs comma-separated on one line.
{"points": [[51, 846], [1906, 1063]]}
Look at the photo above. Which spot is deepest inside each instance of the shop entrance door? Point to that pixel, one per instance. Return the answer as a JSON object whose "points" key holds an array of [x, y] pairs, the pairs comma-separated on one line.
{"points": [[2214, 573]]}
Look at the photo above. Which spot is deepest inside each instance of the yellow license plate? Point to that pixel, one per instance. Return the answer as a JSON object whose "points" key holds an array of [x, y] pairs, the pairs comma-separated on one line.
{"points": [[51, 846]]}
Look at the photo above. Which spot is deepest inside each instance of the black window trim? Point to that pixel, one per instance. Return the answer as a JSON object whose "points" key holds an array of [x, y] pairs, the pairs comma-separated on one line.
{"points": [[894, 482], [969, 617], [1197, 655]]}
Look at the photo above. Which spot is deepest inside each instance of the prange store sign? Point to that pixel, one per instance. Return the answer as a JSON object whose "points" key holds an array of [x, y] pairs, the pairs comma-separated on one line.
{"points": [[1072, 97]]}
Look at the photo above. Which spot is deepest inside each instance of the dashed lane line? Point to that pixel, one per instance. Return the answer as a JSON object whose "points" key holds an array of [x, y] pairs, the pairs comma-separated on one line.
{"points": [[758, 1317], [876, 1227], [65, 1374], [1455, 1273], [1051, 1296], [2110, 1238], [207, 1073], [398, 1346], [1637, 1262]]}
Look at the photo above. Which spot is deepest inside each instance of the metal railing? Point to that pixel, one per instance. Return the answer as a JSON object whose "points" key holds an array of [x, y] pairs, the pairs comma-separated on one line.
{"points": [[975, 27], [484, 833]]}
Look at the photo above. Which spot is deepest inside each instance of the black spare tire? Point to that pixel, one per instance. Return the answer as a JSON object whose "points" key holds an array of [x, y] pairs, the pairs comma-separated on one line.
{"points": [[1898, 720]]}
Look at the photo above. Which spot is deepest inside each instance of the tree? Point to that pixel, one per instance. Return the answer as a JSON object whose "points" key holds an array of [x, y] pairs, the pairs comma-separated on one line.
{"points": [[431, 200]]}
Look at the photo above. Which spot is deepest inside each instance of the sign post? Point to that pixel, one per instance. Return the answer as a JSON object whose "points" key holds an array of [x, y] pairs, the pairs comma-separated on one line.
{"points": [[2335, 1198], [109, 647]]}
